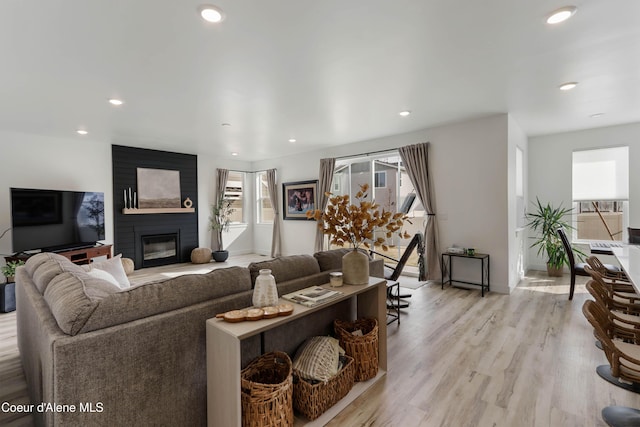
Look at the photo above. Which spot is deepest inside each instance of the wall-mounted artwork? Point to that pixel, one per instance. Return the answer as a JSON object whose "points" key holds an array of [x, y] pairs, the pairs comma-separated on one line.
{"points": [[299, 198], [158, 188]]}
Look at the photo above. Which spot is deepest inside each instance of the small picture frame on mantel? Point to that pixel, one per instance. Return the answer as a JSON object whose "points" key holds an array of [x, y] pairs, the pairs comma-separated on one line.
{"points": [[299, 198]]}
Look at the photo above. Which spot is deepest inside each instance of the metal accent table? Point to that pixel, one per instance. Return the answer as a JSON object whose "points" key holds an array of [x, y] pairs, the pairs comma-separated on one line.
{"points": [[447, 265]]}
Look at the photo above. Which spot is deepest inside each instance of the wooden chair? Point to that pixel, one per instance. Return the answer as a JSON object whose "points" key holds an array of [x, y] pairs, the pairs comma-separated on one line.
{"points": [[576, 269], [624, 316], [624, 358], [608, 271], [618, 289]]}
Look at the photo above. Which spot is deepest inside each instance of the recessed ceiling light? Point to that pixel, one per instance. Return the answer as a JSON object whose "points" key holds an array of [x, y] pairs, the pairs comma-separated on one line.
{"points": [[596, 115], [226, 124], [404, 113], [292, 140], [81, 132], [568, 85], [115, 101], [234, 154], [561, 15], [211, 13]]}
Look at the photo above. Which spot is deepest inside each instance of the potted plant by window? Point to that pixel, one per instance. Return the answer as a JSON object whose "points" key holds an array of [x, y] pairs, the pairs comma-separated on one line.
{"points": [[545, 222], [9, 270], [218, 222]]}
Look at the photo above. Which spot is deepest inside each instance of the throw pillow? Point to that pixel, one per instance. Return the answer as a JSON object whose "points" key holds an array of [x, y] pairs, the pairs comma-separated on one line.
{"points": [[114, 267], [101, 274], [318, 358]]}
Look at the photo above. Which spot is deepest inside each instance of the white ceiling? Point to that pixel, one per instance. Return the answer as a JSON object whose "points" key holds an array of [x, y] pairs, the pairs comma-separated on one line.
{"points": [[324, 72]]}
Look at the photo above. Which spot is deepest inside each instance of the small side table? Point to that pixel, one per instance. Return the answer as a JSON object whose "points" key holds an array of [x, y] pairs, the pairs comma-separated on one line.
{"points": [[446, 264]]}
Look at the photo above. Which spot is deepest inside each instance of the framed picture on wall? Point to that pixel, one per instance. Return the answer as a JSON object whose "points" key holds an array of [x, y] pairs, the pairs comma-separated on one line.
{"points": [[299, 198]]}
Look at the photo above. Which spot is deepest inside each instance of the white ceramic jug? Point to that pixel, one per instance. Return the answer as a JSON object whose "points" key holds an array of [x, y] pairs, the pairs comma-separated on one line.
{"points": [[265, 292]]}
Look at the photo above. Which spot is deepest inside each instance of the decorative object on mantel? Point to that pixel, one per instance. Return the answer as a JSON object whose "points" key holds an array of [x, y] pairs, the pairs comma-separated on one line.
{"points": [[130, 199], [358, 224], [265, 292], [219, 221]]}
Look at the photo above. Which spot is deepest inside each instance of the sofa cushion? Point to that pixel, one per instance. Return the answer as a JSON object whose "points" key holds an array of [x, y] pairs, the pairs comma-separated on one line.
{"points": [[286, 268], [43, 267], [153, 298], [72, 297]]}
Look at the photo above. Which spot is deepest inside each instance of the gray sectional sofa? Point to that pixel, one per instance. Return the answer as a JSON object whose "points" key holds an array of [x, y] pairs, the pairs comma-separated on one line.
{"points": [[136, 356]]}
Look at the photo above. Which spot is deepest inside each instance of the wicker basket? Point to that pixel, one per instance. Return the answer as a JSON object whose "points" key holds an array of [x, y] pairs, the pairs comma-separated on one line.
{"points": [[364, 349], [312, 400], [267, 391]]}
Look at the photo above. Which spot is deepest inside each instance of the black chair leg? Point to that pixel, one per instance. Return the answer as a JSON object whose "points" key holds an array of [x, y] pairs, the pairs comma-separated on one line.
{"points": [[573, 284]]}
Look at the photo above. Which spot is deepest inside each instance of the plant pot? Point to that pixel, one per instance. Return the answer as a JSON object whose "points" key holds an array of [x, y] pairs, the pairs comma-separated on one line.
{"points": [[554, 271], [220, 256]]}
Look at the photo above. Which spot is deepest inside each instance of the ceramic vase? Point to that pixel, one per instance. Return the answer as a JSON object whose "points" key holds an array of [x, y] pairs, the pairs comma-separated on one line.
{"points": [[265, 292], [355, 268]]}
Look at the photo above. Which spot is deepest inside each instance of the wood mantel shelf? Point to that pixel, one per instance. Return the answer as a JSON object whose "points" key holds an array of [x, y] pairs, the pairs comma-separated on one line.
{"points": [[146, 211]]}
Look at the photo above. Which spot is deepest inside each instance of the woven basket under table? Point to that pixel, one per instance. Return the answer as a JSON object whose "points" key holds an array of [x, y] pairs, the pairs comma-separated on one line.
{"points": [[363, 349], [312, 400], [267, 391]]}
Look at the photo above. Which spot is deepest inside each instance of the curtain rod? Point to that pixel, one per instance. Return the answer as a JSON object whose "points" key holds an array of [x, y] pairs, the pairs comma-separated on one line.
{"points": [[389, 151], [238, 170]]}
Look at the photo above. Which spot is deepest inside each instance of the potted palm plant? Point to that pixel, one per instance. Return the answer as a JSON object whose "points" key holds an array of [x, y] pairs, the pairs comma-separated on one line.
{"points": [[545, 222], [219, 221]]}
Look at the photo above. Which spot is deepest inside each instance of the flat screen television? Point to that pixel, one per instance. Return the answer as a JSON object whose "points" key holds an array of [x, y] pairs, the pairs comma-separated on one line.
{"points": [[52, 220]]}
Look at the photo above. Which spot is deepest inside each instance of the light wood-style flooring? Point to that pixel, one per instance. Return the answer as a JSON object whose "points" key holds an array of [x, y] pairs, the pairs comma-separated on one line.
{"points": [[527, 359]]}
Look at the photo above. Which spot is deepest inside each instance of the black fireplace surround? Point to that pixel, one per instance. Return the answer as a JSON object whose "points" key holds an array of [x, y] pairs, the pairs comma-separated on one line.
{"points": [[130, 229]]}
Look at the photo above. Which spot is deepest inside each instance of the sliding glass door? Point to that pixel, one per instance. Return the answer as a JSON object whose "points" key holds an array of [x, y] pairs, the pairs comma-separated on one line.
{"points": [[389, 186]]}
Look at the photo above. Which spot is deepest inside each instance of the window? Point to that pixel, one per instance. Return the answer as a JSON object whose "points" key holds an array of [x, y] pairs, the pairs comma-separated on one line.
{"points": [[600, 193], [234, 191], [264, 208], [389, 186]]}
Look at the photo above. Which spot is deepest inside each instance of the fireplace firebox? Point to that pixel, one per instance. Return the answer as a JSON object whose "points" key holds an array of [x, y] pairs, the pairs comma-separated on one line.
{"points": [[160, 249]]}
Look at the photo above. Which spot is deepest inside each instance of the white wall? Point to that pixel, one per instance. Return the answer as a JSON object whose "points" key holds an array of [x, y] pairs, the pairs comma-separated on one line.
{"points": [[33, 161], [550, 159], [469, 164], [84, 164]]}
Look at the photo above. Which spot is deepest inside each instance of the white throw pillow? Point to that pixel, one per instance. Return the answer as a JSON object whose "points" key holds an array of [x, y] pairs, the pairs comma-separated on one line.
{"points": [[114, 267], [101, 274]]}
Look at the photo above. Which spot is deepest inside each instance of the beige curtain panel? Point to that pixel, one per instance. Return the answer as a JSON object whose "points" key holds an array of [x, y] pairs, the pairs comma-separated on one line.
{"points": [[327, 166], [416, 162], [276, 242], [221, 184]]}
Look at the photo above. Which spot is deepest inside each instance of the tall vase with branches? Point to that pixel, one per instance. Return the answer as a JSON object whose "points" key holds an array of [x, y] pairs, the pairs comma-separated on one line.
{"points": [[545, 221], [219, 221]]}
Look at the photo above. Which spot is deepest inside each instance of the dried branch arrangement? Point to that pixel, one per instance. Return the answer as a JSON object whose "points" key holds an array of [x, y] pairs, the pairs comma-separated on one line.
{"points": [[360, 223]]}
